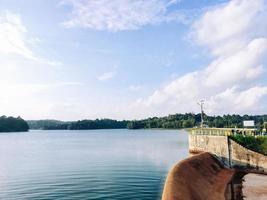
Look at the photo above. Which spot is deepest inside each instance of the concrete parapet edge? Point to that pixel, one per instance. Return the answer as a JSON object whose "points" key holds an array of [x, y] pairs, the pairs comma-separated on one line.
{"points": [[230, 153]]}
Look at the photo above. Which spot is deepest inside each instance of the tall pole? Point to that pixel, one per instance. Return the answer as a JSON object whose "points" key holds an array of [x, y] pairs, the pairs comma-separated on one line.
{"points": [[201, 104]]}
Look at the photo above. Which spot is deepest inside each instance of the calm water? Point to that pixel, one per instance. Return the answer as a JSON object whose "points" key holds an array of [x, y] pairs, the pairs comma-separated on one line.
{"points": [[101, 164]]}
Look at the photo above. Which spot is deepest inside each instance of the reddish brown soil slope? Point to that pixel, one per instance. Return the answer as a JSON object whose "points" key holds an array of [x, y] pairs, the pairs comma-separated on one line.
{"points": [[200, 177]]}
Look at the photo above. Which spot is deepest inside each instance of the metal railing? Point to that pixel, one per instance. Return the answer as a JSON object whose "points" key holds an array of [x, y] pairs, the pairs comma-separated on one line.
{"points": [[222, 131]]}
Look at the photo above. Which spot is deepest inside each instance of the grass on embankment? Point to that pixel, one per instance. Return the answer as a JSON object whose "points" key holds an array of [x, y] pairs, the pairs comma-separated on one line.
{"points": [[254, 143]]}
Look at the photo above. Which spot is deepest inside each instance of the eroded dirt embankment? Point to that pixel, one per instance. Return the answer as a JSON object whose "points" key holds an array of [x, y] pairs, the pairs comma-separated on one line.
{"points": [[200, 177]]}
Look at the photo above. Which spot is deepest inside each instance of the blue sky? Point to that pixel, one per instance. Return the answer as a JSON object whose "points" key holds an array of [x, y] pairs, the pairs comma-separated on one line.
{"points": [[123, 59]]}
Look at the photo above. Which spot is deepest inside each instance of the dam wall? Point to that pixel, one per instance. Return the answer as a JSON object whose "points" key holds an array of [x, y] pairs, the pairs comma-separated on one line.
{"points": [[246, 159], [216, 145], [230, 153]]}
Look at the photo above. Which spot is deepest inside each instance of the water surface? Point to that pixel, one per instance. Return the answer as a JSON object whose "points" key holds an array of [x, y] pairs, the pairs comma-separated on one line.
{"points": [[93, 164]]}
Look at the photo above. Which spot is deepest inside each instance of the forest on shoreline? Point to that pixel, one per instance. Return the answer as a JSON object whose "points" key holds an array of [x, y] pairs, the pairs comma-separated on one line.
{"points": [[12, 124], [176, 121]]}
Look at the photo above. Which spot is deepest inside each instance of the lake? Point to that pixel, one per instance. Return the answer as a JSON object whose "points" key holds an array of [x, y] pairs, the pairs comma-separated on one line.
{"points": [[89, 164]]}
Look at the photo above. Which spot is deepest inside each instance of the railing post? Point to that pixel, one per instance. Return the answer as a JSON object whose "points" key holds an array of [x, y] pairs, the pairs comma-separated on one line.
{"points": [[229, 151]]}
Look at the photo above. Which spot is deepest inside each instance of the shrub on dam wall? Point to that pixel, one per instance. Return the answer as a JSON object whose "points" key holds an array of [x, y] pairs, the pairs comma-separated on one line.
{"points": [[258, 143]]}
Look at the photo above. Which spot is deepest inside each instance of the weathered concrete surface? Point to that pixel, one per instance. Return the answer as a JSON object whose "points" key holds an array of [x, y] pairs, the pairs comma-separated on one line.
{"points": [[230, 153], [217, 145], [200, 177], [247, 159], [255, 187]]}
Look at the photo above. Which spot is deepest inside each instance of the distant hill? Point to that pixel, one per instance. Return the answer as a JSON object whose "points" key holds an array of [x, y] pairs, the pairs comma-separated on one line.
{"points": [[175, 121], [12, 124], [47, 124]]}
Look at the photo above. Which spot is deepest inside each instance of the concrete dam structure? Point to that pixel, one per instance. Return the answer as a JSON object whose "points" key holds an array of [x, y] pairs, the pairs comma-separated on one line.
{"points": [[216, 168], [230, 153]]}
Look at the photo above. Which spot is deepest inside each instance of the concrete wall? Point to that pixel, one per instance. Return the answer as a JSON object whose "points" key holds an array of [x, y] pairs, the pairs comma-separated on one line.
{"points": [[247, 159], [230, 153], [217, 145]]}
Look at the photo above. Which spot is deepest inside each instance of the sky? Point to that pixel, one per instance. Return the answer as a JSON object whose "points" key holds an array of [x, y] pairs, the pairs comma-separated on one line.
{"points": [[132, 59]]}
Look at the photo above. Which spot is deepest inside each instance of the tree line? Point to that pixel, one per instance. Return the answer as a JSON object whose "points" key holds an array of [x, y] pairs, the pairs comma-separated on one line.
{"points": [[190, 120], [176, 121], [77, 125], [12, 124]]}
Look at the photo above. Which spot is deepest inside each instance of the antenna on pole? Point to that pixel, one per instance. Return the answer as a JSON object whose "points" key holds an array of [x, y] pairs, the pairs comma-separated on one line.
{"points": [[201, 104]]}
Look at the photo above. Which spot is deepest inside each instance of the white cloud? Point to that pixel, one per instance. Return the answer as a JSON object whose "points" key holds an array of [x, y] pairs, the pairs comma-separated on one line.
{"points": [[239, 67], [227, 28], [24, 75], [119, 15], [237, 101], [14, 40], [135, 88], [12, 36], [234, 35], [106, 76]]}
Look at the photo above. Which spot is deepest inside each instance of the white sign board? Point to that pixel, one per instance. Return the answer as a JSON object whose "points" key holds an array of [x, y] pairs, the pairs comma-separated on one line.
{"points": [[248, 123]]}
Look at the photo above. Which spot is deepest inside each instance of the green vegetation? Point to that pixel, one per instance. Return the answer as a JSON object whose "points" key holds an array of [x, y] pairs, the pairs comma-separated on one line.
{"points": [[47, 124], [189, 120], [97, 124], [176, 121], [12, 124], [78, 125], [258, 144]]}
